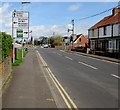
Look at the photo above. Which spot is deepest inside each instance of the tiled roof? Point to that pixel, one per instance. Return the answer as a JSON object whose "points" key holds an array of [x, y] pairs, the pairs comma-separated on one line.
{"points": [[108, 20]]}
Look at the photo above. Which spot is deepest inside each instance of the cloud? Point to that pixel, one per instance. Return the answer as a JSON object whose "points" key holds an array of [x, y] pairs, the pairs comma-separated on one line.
{"points": [[74, 7], [9, 24], [47, 31], [5, 18], [4, 7], [24, 7]]}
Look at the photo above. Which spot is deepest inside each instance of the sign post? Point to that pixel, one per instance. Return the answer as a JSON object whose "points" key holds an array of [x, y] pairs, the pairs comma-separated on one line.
{"points": [[20, 26]]}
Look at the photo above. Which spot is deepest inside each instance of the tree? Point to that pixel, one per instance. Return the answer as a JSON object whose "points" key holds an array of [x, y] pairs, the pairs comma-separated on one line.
{"points": [[56, 40]]}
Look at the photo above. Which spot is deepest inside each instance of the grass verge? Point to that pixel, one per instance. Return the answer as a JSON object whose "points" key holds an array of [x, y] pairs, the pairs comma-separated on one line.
{"points": [[18, 61]]}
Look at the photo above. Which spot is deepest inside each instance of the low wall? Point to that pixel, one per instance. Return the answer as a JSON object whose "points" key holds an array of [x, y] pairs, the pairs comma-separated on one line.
{"points": [[60, 46], [5, 69]]}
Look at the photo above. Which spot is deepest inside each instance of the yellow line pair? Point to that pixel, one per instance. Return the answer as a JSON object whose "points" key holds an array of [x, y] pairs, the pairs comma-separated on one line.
{"points": [[59, 86]]}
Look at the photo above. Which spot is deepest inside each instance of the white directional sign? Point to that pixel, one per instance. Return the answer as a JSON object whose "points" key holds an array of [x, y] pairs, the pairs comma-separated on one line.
{"points": [[20, 24]]}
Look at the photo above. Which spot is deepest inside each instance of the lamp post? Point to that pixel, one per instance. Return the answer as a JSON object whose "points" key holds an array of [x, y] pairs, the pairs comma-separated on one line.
{"points": [[28, 30]]}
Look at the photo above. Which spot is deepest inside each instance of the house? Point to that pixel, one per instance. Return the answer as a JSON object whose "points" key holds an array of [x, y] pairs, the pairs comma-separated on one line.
{"points": [[104, 36], [79, 42]]}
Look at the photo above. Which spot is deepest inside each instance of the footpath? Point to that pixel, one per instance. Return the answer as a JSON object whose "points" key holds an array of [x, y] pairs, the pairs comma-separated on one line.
{"points": [[28, 87]]}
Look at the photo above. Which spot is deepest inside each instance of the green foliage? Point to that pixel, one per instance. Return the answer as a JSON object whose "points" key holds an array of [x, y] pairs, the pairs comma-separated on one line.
{"points": [[19, 58], [6, 44], [56, 40], [0, 47], [18, 61]]}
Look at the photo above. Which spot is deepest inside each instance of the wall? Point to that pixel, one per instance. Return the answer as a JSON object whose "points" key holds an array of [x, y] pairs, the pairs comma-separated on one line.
{"points": [[5, 69]]}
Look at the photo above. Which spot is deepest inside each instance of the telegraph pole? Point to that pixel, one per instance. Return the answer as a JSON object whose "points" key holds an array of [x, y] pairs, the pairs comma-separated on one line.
{"points": [[53, 33], [73, 30]]}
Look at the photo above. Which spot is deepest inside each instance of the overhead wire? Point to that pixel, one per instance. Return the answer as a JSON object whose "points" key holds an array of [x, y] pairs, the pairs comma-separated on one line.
{"points": [[97, 14]]}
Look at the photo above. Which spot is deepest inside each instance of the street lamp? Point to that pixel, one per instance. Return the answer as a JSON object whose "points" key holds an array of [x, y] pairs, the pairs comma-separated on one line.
{"points": [[24, 2]]}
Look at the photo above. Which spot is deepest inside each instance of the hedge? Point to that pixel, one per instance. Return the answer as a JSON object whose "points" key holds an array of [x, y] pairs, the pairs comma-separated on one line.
{"points": [[6, 44]]}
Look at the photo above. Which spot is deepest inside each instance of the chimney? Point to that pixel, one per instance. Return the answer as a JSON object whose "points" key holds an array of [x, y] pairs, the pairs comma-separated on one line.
{"points": [[115, 11]]}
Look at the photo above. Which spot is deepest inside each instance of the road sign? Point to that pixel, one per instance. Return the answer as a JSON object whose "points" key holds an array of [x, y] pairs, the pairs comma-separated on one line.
{"points": [[20, 24]]}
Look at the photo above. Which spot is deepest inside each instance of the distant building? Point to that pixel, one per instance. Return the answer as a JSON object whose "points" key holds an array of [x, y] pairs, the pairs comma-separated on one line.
{"points": [[66, 40], [43, 40], [79, 42], [104, 36]]}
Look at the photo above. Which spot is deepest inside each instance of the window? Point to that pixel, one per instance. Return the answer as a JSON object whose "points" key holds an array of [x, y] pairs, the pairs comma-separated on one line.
{"points": [[119, 28], [104, 30], [80, 39], [93, 32]]}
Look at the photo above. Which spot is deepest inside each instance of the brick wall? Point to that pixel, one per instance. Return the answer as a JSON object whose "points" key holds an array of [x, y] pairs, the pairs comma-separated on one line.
{"points": [[5, 69]]}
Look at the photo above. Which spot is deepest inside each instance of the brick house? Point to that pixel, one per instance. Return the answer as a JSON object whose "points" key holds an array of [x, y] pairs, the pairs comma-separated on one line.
{"points": [[104, 36], [80, 42]]}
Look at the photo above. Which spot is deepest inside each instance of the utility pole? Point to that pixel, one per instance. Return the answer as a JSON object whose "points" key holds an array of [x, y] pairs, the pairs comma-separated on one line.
{"points": [[73, 30], [53, 33]]}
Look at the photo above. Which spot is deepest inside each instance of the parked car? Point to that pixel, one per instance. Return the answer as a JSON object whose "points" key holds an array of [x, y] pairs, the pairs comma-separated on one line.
{"points": [[45, 46]]}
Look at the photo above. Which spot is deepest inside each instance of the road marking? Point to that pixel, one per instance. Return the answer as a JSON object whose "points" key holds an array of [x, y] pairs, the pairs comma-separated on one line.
{"points": [[43, 76], [61, 90], [62, 50], [65, 100], [115, 76], [97, 59], [68, 58], [110, 62], [87, 65], [59, 54], [50, 100]]}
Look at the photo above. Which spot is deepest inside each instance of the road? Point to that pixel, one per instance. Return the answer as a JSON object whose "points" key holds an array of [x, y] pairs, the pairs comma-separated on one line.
{"points": [[90, 83]]}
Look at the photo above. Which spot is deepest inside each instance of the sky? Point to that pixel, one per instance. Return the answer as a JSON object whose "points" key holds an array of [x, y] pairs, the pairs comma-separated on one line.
{"points": [[49, 17]]}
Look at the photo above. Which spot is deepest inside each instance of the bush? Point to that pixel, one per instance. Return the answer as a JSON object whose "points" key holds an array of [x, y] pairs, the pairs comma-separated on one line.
{"points": [[6, 44]]}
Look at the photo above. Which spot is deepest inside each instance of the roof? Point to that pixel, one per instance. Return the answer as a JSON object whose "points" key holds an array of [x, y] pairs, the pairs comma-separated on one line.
{"points": [[77, 36], [108, 20]]}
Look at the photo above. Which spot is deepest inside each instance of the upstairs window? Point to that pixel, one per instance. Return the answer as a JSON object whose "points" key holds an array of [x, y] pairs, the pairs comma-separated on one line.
{"points": [[104, 30], [92, 32], [119, 29]]}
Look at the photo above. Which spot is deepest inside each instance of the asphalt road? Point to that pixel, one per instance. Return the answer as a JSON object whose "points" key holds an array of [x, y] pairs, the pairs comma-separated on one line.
{"points": [[91, 83]]}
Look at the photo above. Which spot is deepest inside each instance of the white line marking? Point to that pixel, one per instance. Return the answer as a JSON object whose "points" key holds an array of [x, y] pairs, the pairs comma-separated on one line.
{"points": [[97, 59], [68, 58], [110, 62], [88, 65], [59, 54], [115, 76], [62, 50]]}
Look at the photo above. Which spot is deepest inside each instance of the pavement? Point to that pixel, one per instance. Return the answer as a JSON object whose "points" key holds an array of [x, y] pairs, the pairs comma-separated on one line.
{"points": [[90, 82], [28, 87]]}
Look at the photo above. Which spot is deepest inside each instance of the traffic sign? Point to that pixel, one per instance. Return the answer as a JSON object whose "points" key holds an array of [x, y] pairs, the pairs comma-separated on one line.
{"points": [[20, 24]]}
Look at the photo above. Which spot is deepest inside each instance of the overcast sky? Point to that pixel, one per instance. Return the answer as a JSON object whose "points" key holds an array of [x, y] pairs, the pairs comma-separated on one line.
{"points": [[49, 17]]}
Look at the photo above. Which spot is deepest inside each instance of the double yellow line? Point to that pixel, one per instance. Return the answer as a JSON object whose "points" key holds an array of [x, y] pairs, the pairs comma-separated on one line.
{"points": [[68, 101]]}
